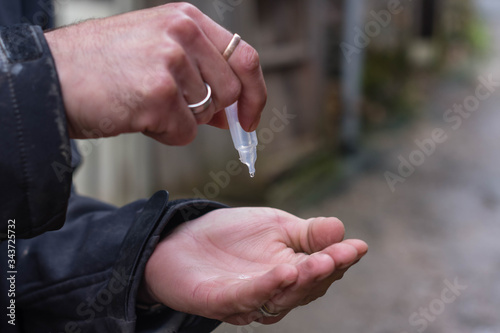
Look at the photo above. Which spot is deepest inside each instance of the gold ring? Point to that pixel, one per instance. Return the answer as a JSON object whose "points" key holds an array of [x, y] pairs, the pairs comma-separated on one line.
{"points": [[231, 47], [265, 311]]}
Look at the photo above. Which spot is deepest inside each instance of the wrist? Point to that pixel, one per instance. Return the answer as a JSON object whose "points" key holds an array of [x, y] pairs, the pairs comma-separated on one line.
{"points": [[144, 295], [60, 47], [145, 302]]}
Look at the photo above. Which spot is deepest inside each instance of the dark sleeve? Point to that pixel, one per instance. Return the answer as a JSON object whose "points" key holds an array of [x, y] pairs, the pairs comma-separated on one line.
{"points": [[85, 277], [35, 160]]}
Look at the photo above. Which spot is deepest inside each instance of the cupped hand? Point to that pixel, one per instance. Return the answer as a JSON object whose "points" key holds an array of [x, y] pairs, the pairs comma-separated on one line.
{"points": [[139, 71], [228, 263]]}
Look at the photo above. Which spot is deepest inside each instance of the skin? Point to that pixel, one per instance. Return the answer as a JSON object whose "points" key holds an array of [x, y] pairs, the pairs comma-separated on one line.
{"points": [[137, 72], [228, 263]]}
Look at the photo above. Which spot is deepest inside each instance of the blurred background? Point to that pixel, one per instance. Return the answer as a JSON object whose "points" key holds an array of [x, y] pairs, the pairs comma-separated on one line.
{"points": [[382, 113]]}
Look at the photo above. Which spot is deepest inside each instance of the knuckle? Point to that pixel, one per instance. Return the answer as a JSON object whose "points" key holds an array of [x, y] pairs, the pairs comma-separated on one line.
{"points": [[169, 88], [250, 59], [308, 300], [321, 293], [337, 223], [340, 224], [177, 134], [187, 8], [187, 134], [190, 29], [185, 28], [233, 91], [205, 116], [145, 122], [176, 59]]}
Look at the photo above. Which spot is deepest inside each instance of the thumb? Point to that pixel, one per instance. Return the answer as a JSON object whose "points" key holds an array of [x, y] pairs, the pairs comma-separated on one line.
{"points": [[315, 234]]}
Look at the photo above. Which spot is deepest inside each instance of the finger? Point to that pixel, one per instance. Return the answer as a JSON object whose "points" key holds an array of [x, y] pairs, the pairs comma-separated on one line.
{"points": [[219, 120], [314, 234], [315, 268], [194, 90], [271, 320], [246, 297], [245, 63], [226, 86], [345, 259], [359, 245], [310, 287], [189, 80], [321, 287], [203, 110], [208, 60], [326, 283], [247, 318], [347, 252], [178, 129]]}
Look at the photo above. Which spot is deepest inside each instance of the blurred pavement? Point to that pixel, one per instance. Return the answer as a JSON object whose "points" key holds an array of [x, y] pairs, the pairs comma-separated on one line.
{"points": [[434, 259]]}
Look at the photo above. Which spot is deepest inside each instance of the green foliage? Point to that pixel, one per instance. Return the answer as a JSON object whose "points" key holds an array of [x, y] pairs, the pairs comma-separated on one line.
{"points": [[387, 99]]}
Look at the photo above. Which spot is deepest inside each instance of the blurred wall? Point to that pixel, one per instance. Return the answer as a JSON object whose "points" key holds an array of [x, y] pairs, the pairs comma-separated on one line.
{"points": [[309, 76], [289, 36]]}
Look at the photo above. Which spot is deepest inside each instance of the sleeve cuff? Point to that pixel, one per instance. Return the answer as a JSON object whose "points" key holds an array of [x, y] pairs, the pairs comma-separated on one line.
{"points": [[142, 239]]}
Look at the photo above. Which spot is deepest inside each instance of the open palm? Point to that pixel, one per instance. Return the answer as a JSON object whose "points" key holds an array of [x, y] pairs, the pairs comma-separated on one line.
{"points": [[228, 263]]}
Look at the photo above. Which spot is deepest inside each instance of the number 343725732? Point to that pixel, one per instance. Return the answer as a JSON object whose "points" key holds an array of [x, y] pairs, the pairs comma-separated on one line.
{"points": [[11, 251]]}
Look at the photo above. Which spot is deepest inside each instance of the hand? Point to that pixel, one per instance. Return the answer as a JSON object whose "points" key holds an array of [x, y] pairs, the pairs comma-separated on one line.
{"points": [[228, 263], [137, 72]]}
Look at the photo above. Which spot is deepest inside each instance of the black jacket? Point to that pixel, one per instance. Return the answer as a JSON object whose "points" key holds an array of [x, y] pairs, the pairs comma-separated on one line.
{"points": [[83, 277]]}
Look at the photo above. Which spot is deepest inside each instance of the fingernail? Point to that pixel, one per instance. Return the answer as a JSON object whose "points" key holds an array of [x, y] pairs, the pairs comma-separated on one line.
{"points": [[254, 125]]}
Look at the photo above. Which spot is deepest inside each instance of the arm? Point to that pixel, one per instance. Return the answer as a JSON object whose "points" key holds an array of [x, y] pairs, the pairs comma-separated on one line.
{"points": [[134, 72], [204, 263], [36, 156], [85, 277], [131, 73], [117, 79]]}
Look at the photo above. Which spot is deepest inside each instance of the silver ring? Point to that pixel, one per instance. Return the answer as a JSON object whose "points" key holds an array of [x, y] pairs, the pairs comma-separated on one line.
{"points": [[203, 105], [265, 311]]}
